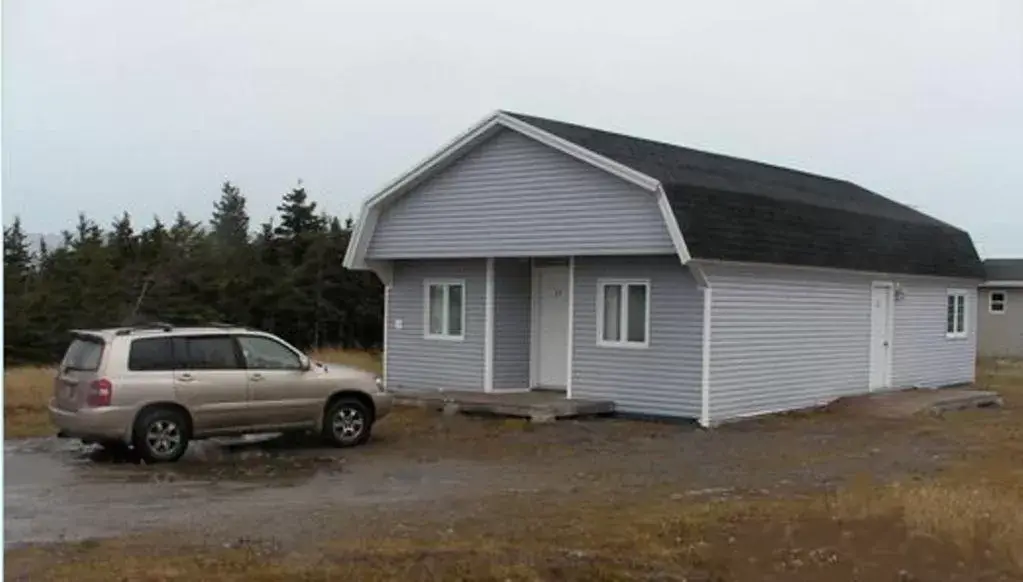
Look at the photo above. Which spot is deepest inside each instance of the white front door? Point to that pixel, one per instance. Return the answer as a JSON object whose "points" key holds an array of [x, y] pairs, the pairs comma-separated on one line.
{"points": [[550, 334], [881, 313]]}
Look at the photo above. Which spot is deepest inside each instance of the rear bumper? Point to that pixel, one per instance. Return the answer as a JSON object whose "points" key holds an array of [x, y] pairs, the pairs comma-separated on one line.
{"points": [[108, 423], [383, 402]]}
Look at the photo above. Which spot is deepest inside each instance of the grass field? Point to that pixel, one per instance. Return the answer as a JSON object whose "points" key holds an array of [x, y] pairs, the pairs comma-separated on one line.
{"points": [[965, 523]]}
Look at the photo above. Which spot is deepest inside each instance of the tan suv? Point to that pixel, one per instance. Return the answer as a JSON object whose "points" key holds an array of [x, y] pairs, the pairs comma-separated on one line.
{"points": [[156, 388]]}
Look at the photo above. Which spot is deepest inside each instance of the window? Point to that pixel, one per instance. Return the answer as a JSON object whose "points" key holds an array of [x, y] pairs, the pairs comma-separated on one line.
{"points": [[623, 309], [955, 314], [263, 353], [150, 355], [996, 302], [445, 309], [83, 354], [210, 352]]}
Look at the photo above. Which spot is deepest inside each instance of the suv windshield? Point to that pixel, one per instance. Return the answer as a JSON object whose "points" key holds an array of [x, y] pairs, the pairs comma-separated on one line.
{"points": [[83, 354]]}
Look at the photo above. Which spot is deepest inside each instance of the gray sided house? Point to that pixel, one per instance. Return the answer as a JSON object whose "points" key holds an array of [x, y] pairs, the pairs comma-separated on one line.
{"points": [[531, 253], [1000, 313]]}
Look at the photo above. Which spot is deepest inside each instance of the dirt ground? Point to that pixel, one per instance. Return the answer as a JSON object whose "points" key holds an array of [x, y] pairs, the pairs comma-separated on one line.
{"points": [[819, 496]]}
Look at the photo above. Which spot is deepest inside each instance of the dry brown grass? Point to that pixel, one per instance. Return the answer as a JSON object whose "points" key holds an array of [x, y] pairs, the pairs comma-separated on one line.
{"points": [[27, 390], [26, 393], [367, 360]]}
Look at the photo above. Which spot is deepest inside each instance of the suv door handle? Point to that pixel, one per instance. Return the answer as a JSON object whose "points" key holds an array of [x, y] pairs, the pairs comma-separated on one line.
{"points": [[256, 377], [185, 377]]}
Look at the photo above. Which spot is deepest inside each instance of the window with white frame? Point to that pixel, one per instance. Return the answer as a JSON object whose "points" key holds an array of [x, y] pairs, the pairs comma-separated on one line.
{"points": [[623, 313], [955, 313], [445, 309], [996, 302]]}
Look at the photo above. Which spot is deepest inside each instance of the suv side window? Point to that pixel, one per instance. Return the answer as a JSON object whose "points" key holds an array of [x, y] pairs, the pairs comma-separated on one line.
{"points": [[151, 354], [262, 353], [206, 352]]}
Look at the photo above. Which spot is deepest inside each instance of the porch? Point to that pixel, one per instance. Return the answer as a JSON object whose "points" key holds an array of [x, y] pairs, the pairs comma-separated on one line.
{"points": [[536, 405]]}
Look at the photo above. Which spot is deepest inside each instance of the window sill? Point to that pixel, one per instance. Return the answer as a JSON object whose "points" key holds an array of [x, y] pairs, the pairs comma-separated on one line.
{"points": [[624, 345], [445, 338], [956, 336]]}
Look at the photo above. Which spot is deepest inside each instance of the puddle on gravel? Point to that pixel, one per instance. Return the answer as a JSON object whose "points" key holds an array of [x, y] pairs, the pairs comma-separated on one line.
{"points": [[56, 490], [255, 458]]}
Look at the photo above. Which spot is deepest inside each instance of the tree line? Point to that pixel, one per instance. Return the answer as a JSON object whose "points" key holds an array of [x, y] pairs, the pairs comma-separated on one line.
{"points": [[285, 278]]}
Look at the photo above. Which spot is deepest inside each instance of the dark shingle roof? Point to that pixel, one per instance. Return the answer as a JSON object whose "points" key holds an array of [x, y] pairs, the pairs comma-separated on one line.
{"points": [[740, 210], [1004, 269]]}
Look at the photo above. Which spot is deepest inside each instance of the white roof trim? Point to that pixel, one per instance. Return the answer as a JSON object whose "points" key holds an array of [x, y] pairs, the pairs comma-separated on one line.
{"points": [[356, 253], [700, 263], [1008, 284]]}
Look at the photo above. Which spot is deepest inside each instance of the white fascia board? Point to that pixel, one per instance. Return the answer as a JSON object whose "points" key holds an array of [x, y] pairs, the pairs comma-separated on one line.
{"points": [[576, 151], [698, 262], [355, 255]]}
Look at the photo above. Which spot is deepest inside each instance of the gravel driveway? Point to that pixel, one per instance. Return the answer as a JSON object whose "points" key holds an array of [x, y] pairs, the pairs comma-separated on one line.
{"points": [[57, 490]]}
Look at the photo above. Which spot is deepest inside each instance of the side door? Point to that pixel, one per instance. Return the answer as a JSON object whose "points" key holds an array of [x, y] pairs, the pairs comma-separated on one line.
{"points": [[280, 391], [210, 380]]}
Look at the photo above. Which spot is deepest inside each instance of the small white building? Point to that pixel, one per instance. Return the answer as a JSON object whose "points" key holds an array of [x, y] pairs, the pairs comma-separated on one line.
{"points": [[531, 253]]}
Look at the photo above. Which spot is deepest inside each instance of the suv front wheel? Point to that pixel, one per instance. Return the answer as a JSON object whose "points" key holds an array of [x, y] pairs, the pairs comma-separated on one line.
{"points": [[161, 435], [347, 423]]}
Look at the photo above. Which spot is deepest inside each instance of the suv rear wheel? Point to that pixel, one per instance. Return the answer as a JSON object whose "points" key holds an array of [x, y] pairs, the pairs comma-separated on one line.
{"points": [[347, 423], [161, 435]]}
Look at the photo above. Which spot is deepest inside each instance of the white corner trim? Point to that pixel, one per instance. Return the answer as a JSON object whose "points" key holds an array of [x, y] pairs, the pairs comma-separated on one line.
{"points": [[705, 376], [534, 325], [699, 274], [488, 338], [387, 327], [670, 221], [571, 326]]}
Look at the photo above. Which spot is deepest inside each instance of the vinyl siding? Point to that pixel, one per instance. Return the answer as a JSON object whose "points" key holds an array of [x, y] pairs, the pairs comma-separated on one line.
{"points": [[784, 339], [417, 363], [512, 310], [662, 379], [922, 355], [514, 197], [1000, 334]]}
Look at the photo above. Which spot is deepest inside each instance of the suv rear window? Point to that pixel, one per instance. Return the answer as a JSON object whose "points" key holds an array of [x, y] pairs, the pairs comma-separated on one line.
{"points": [[83, 354], [151, 354]]}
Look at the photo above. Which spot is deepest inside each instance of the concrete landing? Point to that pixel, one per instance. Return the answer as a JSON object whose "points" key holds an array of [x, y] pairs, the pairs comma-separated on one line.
{"points": [[904, 403], [536, 405]]}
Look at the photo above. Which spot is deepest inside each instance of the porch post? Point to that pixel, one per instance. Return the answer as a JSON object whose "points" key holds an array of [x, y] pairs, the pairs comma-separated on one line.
{"points": [[571, 326], [488, 339]]}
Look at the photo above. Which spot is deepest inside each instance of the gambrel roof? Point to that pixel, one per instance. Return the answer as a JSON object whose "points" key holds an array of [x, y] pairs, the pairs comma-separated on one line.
{"points": [[723, 208]]}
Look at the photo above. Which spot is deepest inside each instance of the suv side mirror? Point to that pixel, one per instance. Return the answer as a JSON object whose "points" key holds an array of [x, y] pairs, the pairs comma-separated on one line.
{"points": [[305, 364]]}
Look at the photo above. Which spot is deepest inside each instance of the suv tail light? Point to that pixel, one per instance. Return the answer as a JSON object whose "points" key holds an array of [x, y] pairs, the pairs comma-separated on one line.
{"points": [[101, 392]]}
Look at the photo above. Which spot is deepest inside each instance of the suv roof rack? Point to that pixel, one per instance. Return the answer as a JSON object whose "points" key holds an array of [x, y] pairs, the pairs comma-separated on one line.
{"points": [[161, 325], [222, 324]]}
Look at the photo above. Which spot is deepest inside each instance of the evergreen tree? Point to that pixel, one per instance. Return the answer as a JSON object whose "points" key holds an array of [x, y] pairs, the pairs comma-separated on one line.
{"points": [[230, 222], [17, 256], [288, 279]]}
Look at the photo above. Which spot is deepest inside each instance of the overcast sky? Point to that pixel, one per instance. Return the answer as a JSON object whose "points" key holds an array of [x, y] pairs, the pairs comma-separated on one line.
{"points": [[149, 106]]}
